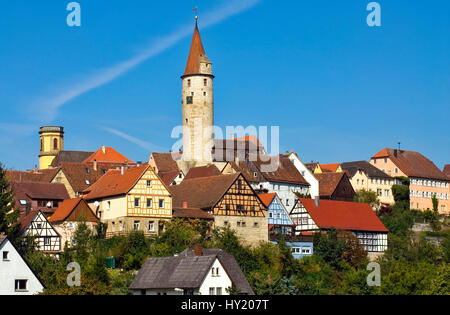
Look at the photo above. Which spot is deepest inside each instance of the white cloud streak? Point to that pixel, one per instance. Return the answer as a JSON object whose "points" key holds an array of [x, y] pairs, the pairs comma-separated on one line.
{"points": [[143, 144], [48, 106]]}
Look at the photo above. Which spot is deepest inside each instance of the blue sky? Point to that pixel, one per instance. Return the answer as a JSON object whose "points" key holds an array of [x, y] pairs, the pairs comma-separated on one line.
{"points": [[338, 89]]}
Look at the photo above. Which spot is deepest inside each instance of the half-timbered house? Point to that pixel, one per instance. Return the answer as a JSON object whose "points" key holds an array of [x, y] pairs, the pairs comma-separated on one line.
{"points": [[131, 199], [68, 216], [272, 174], [278, 217], [230, 199], [310, 215], [35, 225]]}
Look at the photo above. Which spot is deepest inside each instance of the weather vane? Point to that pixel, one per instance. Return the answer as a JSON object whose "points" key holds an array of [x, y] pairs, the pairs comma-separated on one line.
{"points": [[196, 13]]}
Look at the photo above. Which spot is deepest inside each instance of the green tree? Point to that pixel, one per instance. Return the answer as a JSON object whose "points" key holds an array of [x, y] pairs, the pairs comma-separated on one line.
{"points": [[330, 247], [9, 216], [367, 196], [435, 203]]}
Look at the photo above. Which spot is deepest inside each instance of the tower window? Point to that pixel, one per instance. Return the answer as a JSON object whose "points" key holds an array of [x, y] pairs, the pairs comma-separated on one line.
{"points": [[42, 145], [189, 100], [204, 93], [55, 144], [205, 82], [189, 82]]}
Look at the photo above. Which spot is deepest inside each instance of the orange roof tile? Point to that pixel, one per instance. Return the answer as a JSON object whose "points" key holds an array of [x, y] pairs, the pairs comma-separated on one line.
{"points": [[107, 154], [113, 183], [332, 167], [267, 198], [67, 207], [196, 54], [412, 163], [342, 215]]}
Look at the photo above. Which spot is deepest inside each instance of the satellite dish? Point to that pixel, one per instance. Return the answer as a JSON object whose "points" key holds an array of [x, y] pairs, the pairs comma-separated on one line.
{"points": [[49, 204], [96, 204]]}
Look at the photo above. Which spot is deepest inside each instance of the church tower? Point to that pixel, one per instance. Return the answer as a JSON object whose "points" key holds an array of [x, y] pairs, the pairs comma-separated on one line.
{"points": [[197, 105], [52, 141]]}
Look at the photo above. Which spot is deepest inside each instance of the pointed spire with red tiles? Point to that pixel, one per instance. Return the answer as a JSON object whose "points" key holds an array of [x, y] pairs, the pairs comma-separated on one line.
{"points": [[196, 54]]}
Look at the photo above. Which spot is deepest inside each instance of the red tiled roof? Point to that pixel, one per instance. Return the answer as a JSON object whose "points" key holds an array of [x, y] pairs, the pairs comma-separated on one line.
{"points": [[252, 138], [168, 177], [446, 170], [113, 183], [285, 171], [331, 167], [267, 198], [36, 190], [328, 182], [66, 208], [26, 220], [202, 171], [45, 176], [164, 162], [196, 54], [203, 192], [412, 163], [83, 175], [108, 155], [191, 213], [343, 215]]}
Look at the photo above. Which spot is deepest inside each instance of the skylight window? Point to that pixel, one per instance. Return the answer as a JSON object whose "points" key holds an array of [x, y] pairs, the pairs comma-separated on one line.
{"points": [[23, 202], [88, 182]]}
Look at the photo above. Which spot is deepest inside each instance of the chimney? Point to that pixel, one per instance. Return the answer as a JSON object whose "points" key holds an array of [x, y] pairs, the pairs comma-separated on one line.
{"points": [[198, 250], [104, 149], [317, 201], [95, 165], [395, 152], [185, 204], [122, 170], [36, 170]]}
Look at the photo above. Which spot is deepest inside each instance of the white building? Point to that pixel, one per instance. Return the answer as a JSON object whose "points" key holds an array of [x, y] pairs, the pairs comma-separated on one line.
{"points": [[307, 174], [16, 277], [193, 272]]}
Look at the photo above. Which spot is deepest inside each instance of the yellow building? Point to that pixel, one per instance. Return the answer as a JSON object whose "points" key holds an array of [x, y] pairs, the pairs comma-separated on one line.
{"points": [[52, 141], [364, 175], [426, 179], [131, 199]]}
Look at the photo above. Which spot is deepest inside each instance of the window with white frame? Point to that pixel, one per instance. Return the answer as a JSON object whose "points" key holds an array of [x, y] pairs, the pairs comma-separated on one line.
{"points": [[21, 285]]}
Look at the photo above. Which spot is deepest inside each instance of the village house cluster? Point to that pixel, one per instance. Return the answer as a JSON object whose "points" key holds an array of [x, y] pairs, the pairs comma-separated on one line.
{"points": [[296, 200]]}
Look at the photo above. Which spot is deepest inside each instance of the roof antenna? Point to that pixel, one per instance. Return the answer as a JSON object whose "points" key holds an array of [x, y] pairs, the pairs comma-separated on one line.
{"points": [[399, 145]]}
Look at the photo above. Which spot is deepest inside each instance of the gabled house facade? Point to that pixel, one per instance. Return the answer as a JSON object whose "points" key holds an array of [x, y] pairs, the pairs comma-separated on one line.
{"points": [[279, 221], [310, 215], [335, 186], [307, 174], [35, 225], [193, 272], [67, 217], [426, 179], [282, 178], [32, 196], [230, 200], [364, 175], [131, 199], [77, 177], [16, 276]]}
